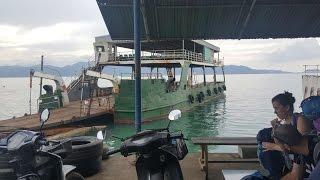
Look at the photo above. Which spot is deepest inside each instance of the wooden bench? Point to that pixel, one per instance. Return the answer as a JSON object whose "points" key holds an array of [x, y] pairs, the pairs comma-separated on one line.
{"points": [[240, 141]]}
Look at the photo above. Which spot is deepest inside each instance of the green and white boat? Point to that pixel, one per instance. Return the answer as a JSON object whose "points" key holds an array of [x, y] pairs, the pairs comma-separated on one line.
{"points": [[169, 70]]}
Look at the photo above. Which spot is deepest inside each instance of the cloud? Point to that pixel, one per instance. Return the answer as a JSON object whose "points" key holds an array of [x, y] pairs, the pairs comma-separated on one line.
{"points": [[34, 13], [285, 54], [299, 50], [66, 40], [61, 30], [64, 30]]}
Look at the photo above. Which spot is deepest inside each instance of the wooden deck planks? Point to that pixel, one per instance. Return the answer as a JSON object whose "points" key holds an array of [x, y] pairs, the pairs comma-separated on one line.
{"points": [[70, 113]]}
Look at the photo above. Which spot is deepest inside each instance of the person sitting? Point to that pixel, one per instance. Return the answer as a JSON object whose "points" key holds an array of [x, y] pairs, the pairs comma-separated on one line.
{"points": [[289, 139], [283, 108], [269, 153]]}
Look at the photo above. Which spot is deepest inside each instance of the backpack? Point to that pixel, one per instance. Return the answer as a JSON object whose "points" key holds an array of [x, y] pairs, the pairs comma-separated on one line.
{"points": [[316, 153], [311, 107]]}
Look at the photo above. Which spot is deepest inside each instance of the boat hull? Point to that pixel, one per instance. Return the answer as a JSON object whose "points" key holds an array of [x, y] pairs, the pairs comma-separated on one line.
{"points": [[157, 102]]}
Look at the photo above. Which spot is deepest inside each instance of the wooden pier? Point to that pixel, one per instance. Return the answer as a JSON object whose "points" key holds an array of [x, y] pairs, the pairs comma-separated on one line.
{"points": [[122, 168], [75, 113]]}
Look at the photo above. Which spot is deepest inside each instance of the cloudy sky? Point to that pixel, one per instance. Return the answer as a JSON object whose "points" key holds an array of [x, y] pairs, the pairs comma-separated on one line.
{"points": [[64, 30]]}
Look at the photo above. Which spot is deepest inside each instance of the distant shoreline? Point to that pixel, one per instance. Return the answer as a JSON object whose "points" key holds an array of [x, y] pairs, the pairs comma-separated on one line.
{"points": [[198, 74], [74, 69]]}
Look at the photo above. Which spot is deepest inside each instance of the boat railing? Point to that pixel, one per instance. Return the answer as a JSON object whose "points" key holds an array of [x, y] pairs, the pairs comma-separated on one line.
{"points": [[311, 70], [143, 76], [167, 55]]}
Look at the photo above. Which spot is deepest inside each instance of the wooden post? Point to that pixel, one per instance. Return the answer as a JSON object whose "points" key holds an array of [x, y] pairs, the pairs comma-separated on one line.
{"points": [[204, 75], [214, 75]]}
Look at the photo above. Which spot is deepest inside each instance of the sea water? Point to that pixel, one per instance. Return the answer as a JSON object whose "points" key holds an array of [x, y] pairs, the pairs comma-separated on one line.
{"points": [[243, 112], [245, 109]]}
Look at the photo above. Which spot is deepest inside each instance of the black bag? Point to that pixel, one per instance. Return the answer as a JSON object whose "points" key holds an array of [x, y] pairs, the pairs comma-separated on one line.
{"points": [[182, 149]]}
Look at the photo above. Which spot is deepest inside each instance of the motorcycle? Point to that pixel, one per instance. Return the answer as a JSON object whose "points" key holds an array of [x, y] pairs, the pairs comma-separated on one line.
{"points": [[158, 152], [32, 157]]}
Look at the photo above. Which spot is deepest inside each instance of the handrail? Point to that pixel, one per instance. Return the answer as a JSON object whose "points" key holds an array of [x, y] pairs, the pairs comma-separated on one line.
{"points": [[311, 69], [143, 75], [179, 54]]}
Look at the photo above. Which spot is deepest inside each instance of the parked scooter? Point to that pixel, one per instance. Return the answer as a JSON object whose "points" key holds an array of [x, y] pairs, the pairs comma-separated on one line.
{"points": [[158, 152], [32, 157]]}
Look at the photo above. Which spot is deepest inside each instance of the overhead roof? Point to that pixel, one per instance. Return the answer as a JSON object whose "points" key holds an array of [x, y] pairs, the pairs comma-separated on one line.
{"points": [[214, 19]]}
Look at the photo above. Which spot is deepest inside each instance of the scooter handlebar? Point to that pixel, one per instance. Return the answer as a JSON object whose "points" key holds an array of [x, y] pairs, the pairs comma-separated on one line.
{"points": [[176, 136], [43, 142], [114, 151]]}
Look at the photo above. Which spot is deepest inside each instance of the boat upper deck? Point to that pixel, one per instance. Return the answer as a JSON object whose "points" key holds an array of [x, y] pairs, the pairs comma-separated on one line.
{"points": [[157, 53]]}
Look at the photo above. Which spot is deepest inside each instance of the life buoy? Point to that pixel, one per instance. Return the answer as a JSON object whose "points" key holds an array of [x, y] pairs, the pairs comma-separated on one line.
{"points": [[209, 92], [215, 90], [191, 99], [224, 87]]}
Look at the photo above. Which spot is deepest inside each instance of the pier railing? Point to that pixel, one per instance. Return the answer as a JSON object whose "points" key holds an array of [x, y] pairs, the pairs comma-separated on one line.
{"points": [[167, 55], [311, 70]]}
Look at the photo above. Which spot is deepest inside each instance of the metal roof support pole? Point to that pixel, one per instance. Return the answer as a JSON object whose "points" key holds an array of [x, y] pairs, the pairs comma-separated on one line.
{"points": [[137, 46]]}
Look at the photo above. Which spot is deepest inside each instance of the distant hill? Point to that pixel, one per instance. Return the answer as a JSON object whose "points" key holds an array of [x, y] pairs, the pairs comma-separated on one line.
{"points": [[233, 69], [74, 69], [21, 71]]}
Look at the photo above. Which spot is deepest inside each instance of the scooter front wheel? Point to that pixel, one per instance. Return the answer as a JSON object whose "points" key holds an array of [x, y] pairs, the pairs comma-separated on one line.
{"points": [[74, 176]]}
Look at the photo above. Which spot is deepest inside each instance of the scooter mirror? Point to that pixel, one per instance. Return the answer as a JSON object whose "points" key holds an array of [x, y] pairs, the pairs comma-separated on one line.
{"points": [[100, 135], [174, 115], [44, 115]]}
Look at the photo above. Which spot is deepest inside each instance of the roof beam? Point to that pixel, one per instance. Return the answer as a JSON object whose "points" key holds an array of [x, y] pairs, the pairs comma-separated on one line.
{"points": [[238, 18], [217, 6], [157, 21], [235, 6], [247, 19], [145, 20]]}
